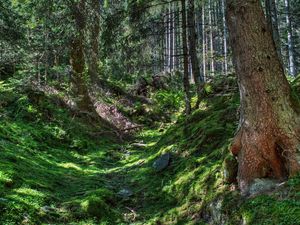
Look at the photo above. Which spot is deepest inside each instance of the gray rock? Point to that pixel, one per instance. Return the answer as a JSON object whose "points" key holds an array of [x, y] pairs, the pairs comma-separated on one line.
{"points": [[262, 185], [47, 209], [139, 145], [212, 214], [3, 200], [216, 211], [125, 193], [162, 162]]}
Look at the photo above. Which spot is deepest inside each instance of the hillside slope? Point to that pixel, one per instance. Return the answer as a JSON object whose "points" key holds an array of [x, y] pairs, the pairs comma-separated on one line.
{"points": [[57, 167]]}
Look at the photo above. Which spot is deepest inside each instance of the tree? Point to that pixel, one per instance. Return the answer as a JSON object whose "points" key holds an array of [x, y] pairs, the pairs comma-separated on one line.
{"points": [[291, 60], [77, 59], [272, 19], [94, 29], [186, 82], [193, 50], [268, 136], [211, 39]]}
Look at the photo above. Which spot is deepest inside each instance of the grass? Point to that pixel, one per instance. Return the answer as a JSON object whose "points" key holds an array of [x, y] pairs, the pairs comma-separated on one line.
{"points": [[53, 171]]}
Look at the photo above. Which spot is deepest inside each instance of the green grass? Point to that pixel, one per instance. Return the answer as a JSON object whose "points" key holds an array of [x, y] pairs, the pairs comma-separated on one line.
{"points": [[53, 170]]}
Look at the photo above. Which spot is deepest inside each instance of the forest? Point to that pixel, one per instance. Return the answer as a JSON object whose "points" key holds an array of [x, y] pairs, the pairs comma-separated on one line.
{"points": [[149, 112]]}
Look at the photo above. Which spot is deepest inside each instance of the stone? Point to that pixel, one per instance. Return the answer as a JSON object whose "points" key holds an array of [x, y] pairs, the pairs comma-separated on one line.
{"points": [[3, 200], [47, 209], [162, 162], [262, 185], [139, 145], [125, 193]]}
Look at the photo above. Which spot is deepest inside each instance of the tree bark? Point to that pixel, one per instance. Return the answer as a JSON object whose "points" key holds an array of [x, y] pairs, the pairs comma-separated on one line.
{"points": [[203, 41], [267, 140], [272, 20], [225, 50], [94, 40], [186, 82], [77, 59], [192, 50], [211, 39], [291, 61]]}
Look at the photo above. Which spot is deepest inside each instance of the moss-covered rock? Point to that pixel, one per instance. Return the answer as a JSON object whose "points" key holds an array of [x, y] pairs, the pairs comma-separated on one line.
{"points": [[95, 206]]}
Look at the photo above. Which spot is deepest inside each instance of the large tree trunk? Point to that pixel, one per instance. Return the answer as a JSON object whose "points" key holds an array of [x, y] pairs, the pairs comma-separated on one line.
{"points": [[268, 136], [186, 82], [193, 51]]}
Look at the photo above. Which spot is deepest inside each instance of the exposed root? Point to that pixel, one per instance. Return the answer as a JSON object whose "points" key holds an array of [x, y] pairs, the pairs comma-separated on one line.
{"points": [[261, 155]]}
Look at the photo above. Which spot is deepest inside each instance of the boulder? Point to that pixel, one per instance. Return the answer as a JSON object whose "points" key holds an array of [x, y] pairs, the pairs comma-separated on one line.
{"points": [[125, 193], [162, 162], [262, 185]]}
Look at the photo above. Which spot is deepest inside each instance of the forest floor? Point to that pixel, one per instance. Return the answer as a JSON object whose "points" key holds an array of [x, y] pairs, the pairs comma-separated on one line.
{"points": [[59, 169]]}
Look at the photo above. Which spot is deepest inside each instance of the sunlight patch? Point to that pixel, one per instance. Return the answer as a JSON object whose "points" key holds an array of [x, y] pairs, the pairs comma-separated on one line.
{"points": [[70, 166]]}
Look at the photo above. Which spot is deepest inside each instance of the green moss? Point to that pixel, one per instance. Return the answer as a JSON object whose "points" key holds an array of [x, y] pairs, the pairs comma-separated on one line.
{"points": [[46, 163], [95, 207]]}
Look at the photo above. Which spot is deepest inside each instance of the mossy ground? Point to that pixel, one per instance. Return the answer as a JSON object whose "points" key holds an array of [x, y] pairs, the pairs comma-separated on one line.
{"points": [[53, 171]]}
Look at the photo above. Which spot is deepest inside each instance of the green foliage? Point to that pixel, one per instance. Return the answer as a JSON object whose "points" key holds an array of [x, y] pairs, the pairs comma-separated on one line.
{"points": [[282, 207], [40, 174], [51, 173]]}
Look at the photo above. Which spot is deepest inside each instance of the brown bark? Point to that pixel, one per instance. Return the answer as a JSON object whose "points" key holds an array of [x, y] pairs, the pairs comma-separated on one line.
{"points": [[77, 59], [272, 21], [186, 82], [94, 40], [268, 136], [192, 49]]}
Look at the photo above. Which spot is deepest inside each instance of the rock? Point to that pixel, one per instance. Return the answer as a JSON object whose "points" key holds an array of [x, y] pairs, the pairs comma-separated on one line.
{"points": [[95, 206], [125, 193], [139, 145], [216, 212], [47, 209], [262, 185], [212, 214], [3, 200], [162, 162]]}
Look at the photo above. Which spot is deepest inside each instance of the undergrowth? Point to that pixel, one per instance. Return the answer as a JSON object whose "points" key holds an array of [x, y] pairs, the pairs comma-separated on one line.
{"points": [[54, 169]]}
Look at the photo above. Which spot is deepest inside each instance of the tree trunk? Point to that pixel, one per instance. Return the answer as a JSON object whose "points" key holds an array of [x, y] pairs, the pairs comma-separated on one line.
{"points": [[203, 41], [77, 59], [193, 51], [170, 37], [268, 136], [225, 50], [272, 20], [291, 60], [94, 40], [186, 82], [211, 39]]}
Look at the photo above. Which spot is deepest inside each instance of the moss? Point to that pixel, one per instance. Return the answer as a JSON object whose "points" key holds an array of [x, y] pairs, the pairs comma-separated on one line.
{"points": [[50, 163], [95, 207]]}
